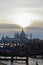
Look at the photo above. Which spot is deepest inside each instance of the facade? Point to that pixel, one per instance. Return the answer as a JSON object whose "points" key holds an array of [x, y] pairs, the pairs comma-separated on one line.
{"points": [[21, 36], [19, 39]]}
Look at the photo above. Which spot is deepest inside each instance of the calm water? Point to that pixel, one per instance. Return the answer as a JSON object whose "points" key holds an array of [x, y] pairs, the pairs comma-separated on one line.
{"points": [[32, 61]]}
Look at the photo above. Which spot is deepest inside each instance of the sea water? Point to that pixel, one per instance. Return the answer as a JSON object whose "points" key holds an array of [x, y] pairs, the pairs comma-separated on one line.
{"points": [[31, 61]]}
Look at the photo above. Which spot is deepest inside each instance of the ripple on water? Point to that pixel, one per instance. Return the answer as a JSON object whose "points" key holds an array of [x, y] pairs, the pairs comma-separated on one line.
{"points": [[32, 61]]}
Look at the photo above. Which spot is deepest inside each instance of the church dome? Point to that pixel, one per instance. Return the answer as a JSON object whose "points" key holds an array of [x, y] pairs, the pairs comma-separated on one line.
{"points": [[22, 34]]}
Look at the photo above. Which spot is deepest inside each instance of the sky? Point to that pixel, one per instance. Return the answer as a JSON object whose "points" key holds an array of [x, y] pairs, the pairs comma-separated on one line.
{"points": [[21, 12], [25, 13]]}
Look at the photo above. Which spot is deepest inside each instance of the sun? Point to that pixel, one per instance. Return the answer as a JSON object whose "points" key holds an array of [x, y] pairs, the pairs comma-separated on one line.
{"points": [[23, 19]]}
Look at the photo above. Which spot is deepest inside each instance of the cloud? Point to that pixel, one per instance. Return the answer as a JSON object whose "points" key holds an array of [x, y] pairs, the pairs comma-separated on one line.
{"points": [[37, 24], [9, 26]]}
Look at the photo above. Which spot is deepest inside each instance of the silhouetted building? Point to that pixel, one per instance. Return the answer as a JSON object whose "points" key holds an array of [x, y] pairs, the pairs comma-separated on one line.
{"points": [[30, 35], [19, 38]]}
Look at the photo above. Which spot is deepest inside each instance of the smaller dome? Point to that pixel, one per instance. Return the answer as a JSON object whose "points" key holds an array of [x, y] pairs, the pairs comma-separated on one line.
{"points": [[17, 35]]}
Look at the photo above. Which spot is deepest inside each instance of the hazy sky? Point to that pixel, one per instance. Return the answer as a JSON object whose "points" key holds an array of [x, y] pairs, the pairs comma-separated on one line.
{"points": [[24, 13], [21, 11]]}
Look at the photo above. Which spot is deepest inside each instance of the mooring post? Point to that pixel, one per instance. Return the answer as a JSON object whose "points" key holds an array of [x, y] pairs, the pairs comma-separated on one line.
{"points": [[26, 60], [12, 60]]}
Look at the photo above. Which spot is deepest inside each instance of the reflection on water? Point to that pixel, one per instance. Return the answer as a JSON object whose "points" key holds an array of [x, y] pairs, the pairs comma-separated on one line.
{"points": [[32, 61]]}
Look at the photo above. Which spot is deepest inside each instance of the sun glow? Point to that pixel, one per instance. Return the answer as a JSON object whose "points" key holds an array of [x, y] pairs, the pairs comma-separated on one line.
{"points": [[23, 19]]}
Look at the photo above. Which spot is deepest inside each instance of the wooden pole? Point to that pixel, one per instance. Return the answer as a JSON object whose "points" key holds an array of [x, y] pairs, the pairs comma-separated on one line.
{"points": [[12, 60], [26, 60]]}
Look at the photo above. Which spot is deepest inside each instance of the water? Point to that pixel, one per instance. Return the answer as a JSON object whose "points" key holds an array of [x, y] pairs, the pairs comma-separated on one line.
{"points": [[31, 61]]}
